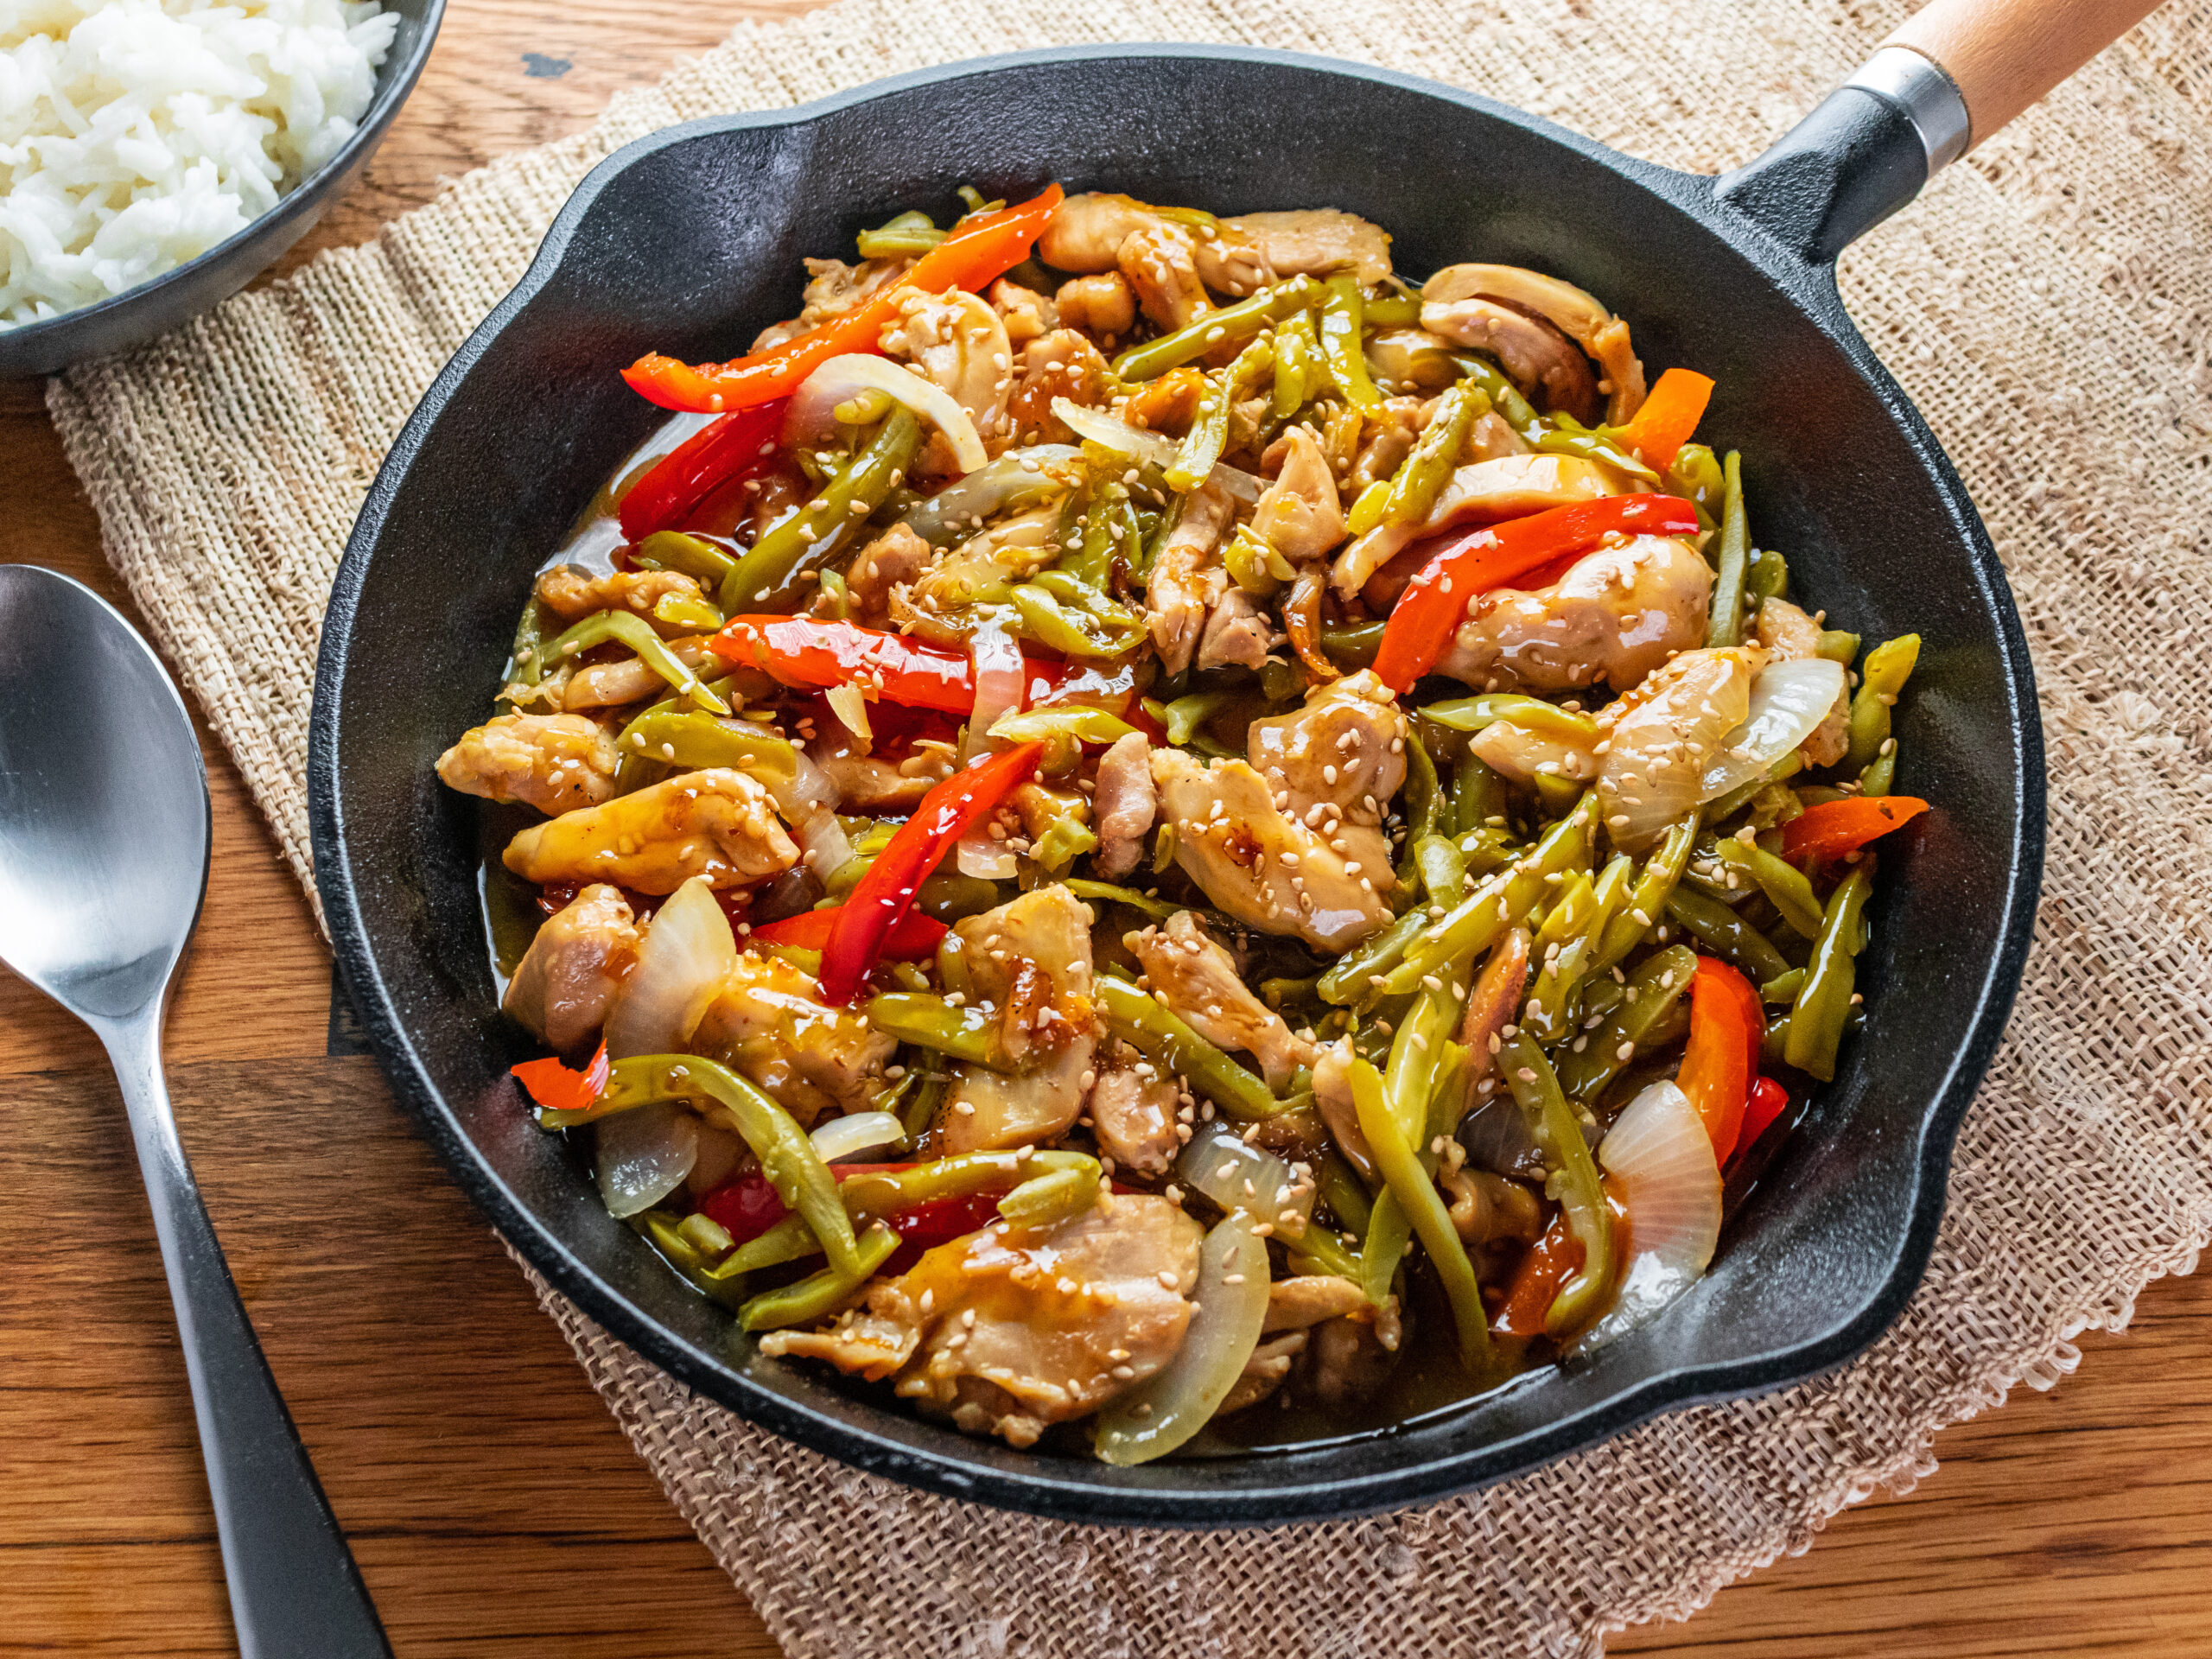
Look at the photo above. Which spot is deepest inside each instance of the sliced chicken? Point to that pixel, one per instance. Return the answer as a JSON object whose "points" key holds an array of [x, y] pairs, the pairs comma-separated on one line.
{"points": [[552, 762], [1348, 1361], [896, 557], [1025, 312], [1238, 632], [769, 1022], [1332, 1100], [1299, 514], [1009, 1331], [626, 679], [833, 288], [1253, 251], [866, 784], [1134, 1116], [1087, 231], [1385, 439], [1789, 635], [1264, 1373], [1126, 803], [1062, 364], [1187, 579], [1029, 961], [1344, 750], [573, 594], [1549, 368], [1614, 617], [1193, 975], [1663, 736], [1576, 314], [1483, 492], [1160, 264], [567, 980], [1301, 1303], [719, 824], [1102, 306]]}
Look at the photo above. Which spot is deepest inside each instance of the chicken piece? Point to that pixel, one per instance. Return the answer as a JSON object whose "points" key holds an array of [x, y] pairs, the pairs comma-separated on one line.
{"points": [[567, 980], [1549, 368], [1013, 548], [869, 786], [1062, 364], [1269, 870], [1523, 754], [1301, 1303], [1159, 263], [959, 344], [1194, 976], [1576, 314], [1009, 1331], [1386, 439], [1299, 514], [1486, 1206], [1133, 1117], [1347, 1361], [1025, 312], [552, 762], [1492, 439], [573, 594], [1789, 635], [1663, 735], [898, 555], [1264, 1373], [611, 684], [1614, 617], [1343, 750], [1126, 805], [1237, 631], [1029, 961], [1253, 251], [1511, 486], [1102, 306], [719, 824], [1086, 232], [1332, 1100], [769, 1022], [1187, 579], [833, 288]]}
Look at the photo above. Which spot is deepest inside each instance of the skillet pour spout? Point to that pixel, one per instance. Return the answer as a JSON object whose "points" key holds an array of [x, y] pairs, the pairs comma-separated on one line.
{"points": [[1733, 277]]}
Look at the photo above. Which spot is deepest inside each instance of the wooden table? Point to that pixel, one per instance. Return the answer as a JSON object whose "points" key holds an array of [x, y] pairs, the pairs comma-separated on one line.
{"points": [[493, 1503]]}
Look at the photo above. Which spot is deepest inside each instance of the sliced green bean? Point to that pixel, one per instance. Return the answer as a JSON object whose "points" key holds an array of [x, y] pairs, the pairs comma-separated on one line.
{"points": [[1881, 678], [1352, 642], [1397, 309], [819, 1295], [1209, 435], [1731, 939], [1531, 714], [1726, 807], [1574, 1181], [1783, 991], [1478, 796], [1502, 902], [1239, 321], [1783, 883], [1389, 1231], [1648, 902], [1341, 1192], [526, 657], [1734, 551], [1767, 577], [1415, 1193], [674, 738], [1823, 1005], [1170, 1043], [768, 575], [1340, 327], [1567, 945], [965, 1033], [1107, 893], [1421, 478], [1569, 437], [626, 628], [1349, 980], [1182, 718], [1443, 869], [1596, 1057], [1298, 363]]}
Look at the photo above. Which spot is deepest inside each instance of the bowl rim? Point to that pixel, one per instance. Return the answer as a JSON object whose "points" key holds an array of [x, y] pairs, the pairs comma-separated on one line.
{"points": [[304, 197], [1037, 1489]]}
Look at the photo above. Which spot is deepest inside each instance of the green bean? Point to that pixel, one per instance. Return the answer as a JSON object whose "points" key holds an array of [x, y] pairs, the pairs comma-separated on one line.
{"points": [[1393, 308], [1423, 802], [1881, 777], [694, 556], [1409, 1076], [1823, 1005], [1443, 869], [1516, 411], [1253, 564], [1340, 331], [819, 1294], [1389, 1231], [1767, 576], [1352, 642], [1648, 902], [921, 1107], [912, 231], [1209, 435], [697, 1265], [1183, 717], [1783, 883], [1574, 1180], [1341, 1189], [1733, 549], [526, 657], [1569, 437], [1881, 677], [1054, 1196], [1576, 925], [1731, 938], [1239, 321], [1504, 901], [1697, 478], [768, 575], [1172, 1045], [1530, 714], [674, 738], [1836, 646], [1726, 807], [1320, 1250], [1298, 359], [624, 627], [1073, 633], [1659, 981], [1349, 980], [965, 1033], [1410, 1185], [1083, 887], [1781, 991], [1421, 478], [1478, 794]]}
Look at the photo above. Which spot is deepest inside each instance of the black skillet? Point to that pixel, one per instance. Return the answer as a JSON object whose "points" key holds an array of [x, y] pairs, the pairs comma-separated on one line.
{"points": [[690, 240]]}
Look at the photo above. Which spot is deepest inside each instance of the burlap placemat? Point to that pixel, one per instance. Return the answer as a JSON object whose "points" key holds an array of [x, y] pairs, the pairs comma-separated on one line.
{"points": [[2047, 306]]}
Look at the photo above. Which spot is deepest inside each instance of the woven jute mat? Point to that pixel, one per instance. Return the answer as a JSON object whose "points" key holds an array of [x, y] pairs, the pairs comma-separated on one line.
{"points": [[2049, 306]]}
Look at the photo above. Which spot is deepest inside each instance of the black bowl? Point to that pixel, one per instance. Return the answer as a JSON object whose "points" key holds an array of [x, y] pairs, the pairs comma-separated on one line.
{"points": [[690, 240], [137, 314]]}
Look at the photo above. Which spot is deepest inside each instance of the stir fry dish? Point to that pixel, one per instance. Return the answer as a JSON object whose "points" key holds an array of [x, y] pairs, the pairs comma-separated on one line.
{"points": [[1148, 833]]}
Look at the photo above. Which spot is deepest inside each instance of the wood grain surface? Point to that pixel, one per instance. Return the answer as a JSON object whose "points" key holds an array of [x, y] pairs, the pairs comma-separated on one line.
{"points": [[494, 1505]]}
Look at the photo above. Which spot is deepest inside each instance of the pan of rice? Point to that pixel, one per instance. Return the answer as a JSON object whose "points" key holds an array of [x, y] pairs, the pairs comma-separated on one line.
{"points": [[157, 154]]}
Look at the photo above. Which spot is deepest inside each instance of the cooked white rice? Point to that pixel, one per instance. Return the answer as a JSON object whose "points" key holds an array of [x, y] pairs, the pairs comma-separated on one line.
{"points": [[137, 133]]}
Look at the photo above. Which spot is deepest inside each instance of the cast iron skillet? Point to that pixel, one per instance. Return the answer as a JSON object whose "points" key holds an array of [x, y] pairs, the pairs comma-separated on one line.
{"points": [[690, 240]]}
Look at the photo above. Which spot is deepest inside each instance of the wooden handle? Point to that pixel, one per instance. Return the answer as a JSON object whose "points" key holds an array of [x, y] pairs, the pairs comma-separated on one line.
{"points": [[2005, 54]]}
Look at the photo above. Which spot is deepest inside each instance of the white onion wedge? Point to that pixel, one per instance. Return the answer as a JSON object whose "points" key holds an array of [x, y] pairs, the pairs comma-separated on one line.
{"points": [[840, 380], [642, 1156], [1000, 687], [1788, 701], [1153, 447], [847, 1137], [1231, 1304], [687, 954], [1237, 1176], [1659, 1153]]}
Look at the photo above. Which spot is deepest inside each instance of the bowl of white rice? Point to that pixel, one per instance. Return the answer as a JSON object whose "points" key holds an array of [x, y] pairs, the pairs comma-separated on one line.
{"points": [[156, 155]]}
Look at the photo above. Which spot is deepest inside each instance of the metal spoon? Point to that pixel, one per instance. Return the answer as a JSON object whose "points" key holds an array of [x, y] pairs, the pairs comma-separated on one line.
{"points": [[103, 843]]}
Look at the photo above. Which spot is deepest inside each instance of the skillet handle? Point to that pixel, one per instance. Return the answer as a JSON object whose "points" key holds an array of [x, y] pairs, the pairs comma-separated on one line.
{"points": [[1957, 72]]}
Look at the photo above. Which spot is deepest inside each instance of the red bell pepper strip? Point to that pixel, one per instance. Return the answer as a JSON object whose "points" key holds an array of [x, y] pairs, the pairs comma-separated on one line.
{"points": [[813, 656], [1722, 1056], [1659, 429], [560, 1088], [736, 446], [974, 254], [1768, 1101], [914, 939], [1834, 828], [1435, 601], [887, 892], [1551, 1260], [748, 1207]]}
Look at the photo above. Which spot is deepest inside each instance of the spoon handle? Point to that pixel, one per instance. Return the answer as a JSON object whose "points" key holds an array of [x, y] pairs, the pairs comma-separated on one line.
{"points": [[293, 1586]]}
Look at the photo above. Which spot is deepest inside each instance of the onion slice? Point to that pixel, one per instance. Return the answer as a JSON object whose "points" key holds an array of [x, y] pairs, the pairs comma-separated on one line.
{"points": [[846, 1137], [642, 1156], [1788, 701], [1151, 447], [1661, 1156], [1231, 1304], [687, 954], [1000, 680], [842, 378], [1023, 478], [1219, 1164]]}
